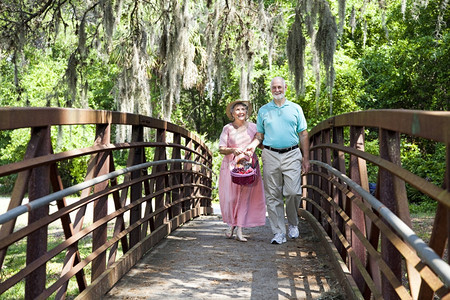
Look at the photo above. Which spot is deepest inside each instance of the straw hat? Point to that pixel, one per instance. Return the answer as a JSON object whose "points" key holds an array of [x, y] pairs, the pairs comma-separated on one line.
{"points": [[233, 103]]}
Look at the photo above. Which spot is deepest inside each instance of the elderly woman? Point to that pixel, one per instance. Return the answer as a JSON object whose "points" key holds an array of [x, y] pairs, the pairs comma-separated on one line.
{"points": [[241, 205]]}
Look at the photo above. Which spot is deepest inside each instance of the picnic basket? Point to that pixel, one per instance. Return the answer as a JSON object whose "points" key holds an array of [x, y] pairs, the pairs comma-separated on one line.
{"points": [[244, 175]]}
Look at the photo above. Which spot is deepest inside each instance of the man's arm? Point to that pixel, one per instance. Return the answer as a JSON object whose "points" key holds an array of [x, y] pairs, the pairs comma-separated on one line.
{"points": [[304, 146], [257, 140]]}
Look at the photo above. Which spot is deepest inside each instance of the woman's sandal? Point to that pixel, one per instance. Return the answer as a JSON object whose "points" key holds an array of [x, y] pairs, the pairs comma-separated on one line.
{"points": [[239, 236], [229, 232]]}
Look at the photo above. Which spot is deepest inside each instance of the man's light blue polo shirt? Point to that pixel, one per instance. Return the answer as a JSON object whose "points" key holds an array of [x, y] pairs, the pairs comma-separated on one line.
{"points": [[280, 125]]}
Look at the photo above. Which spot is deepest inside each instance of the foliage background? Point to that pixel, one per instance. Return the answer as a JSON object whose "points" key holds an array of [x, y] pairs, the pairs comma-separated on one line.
{"points": [[183, 61]]}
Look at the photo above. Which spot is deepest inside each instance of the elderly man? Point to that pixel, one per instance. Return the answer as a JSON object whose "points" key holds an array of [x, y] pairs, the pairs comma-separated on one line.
{"points": [[280, 125]]}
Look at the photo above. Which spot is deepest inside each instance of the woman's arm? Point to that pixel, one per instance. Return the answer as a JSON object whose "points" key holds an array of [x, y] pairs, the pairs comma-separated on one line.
{"points": [[229, 150]]}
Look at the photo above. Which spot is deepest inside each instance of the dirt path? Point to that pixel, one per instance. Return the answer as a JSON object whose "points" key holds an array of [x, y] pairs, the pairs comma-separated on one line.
{"points": [[198, 262]]}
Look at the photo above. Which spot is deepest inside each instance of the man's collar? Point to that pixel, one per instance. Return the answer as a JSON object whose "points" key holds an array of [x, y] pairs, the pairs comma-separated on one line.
{"points": [[286, 102]]}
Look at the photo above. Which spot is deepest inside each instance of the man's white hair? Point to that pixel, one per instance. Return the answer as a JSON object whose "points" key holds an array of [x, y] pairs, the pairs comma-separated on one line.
{"points": [[279, 78]]}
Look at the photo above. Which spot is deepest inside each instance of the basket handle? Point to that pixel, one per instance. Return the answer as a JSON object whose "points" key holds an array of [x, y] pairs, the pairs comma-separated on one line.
{"points": [[253, 159]]}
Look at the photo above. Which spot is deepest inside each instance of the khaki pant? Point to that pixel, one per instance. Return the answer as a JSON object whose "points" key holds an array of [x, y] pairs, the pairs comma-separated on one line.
{"points": [[282, 177]]}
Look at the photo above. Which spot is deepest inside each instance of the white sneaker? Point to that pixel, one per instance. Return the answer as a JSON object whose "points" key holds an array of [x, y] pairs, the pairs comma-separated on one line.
{"points": [[279, 238], [293, 231]]}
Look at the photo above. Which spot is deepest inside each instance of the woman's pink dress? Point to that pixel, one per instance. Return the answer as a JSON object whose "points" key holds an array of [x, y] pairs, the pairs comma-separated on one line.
{"points": [[241, 205]]}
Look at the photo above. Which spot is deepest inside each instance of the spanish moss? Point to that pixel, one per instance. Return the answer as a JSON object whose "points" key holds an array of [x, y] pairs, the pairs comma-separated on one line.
{"points": [[172, 48], [323, 45], [352, 22], [326, 40], [295, 49], [440, 23], [132, 90], [341, 17]]}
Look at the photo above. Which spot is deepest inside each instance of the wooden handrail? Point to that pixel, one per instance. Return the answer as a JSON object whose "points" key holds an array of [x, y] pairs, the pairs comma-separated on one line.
{"points": [[172, 195], [350, 218], [433, 125], [28, 117]]}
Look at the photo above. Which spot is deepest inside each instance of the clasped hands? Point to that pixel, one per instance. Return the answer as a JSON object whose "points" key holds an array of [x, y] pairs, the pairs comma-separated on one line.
{"points": [[248, 151]]}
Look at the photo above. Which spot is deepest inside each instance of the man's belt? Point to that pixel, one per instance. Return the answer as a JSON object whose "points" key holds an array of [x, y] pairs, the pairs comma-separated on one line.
{"points": [[284, 150]]}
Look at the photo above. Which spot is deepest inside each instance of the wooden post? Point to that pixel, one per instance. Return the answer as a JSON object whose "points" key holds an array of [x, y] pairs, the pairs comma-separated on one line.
{"points": [[338, 196], [136, 157], [18, 193], [176, 178], [197, 178], [317, 155], [187, 177], [38, 186], [160, 154], [325, 185], [99, 235], [441, 229], [358, 173], [389, 194]]}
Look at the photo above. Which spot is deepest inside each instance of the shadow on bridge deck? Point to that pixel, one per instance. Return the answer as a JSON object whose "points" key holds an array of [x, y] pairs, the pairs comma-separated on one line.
{"points": [[198, 262]]}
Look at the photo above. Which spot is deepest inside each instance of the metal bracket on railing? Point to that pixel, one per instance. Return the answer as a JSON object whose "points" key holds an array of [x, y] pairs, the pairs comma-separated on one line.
{"points": [[423, 250], [39, 202]]}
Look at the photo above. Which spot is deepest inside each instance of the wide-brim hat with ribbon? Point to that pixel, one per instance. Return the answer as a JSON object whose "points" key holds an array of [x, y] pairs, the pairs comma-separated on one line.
{"points": [[231, 105]]}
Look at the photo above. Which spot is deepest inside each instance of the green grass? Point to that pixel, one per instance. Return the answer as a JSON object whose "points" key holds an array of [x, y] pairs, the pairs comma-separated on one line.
{"points": [[424, 208]]}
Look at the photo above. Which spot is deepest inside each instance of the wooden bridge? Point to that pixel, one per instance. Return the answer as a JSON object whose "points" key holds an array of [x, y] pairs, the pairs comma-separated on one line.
{"points": [[161, 177]]}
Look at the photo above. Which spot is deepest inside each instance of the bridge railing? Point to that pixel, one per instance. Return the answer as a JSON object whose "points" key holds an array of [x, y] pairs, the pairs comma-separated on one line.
{"points": [[373, 231], [123, 212]]}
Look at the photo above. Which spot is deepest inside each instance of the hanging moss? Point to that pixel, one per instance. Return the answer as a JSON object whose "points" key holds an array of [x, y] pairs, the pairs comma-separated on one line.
{"points": [[341, 13], [132, 91], [416, 7], [323, 44], [71, 77], [183, 44], [213, 32], [177, 53], [295, 49], [382, 6], [236, 31], [82, 39], [364, 33], [352, 22], [108, 20], [266, 22], [326, 40], [440, 23]]}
